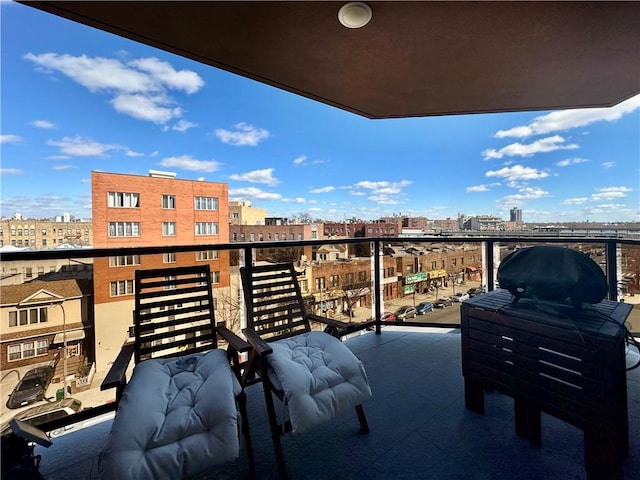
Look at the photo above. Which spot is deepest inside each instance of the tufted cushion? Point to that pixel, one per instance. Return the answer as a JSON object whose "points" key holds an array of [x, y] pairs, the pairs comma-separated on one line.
{"points": [[320, 376], [177, 416]]}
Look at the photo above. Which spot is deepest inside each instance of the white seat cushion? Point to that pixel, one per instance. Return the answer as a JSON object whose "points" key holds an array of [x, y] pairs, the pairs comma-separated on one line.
{"points": [[319, 375], [177, 416]]}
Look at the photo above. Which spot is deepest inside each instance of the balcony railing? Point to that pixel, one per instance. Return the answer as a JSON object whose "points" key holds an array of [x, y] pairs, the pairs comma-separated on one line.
{"points": [[619, 258]]}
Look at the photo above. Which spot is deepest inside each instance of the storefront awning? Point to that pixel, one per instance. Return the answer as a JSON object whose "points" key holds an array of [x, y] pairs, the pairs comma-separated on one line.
{"points": [[72, 336]]}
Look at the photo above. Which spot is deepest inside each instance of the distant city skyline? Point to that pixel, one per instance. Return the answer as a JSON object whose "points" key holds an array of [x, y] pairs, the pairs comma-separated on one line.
{"points": [[75, 100]]}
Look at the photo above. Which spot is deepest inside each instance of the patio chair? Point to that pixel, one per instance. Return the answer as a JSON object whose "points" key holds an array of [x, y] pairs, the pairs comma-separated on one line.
{"points": [[178, 415], [313, 373]]}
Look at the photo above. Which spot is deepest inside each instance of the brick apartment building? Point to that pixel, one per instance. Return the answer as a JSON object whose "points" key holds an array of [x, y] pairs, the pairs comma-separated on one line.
{"points": [[45, 233], [363, 229], [144, 211]]}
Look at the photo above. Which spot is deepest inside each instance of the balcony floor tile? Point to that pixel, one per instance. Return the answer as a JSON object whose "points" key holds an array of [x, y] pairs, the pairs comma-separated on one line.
{"points": [[419, 426]]}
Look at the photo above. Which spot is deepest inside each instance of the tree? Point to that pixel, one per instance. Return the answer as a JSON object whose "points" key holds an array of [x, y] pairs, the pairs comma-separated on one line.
{"points": [[353, 291]]}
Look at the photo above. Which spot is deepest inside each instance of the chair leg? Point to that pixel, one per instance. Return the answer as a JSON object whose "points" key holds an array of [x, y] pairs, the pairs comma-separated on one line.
{"points": [[242, 403], [364, 426], [276, 431]]}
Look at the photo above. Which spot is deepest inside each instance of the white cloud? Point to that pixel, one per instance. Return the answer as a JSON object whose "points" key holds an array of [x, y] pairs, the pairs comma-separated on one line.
{"points": [[322, 190], [575, 201], [186, 162], [10, 139], [299, 160], [43, 124], [248, 193], [609, 193], [183, 126], [517, 173], [483, 188], [257, 176], [10, 171], [153, 108], [131, 153], [384, 199], [138, 88], [83, 147], [63, 167], [548, 144], [567, 119], [294, 200], [607, 165], [571, 161], [383, 188], [243, 135]]}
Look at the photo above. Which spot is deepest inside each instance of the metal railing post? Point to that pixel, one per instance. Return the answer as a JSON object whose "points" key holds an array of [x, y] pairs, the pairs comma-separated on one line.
{"points": [[376, 283]]}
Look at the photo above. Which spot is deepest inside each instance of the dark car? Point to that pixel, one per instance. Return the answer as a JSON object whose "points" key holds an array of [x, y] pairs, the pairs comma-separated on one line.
{"points": [[442, 303], [31, 388], [404, 313], [424, 307], [473, 292]]}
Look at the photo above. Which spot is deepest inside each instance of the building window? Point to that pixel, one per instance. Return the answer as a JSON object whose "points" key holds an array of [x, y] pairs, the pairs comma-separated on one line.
{"points": [[453, 262], [124, 260], [124, 229], [44, 242], [168, 229], [320, 283], [121, 287], [433, 265], [205, 203], [169, 202], [242, 237], [206, 228], [28, 272], [170, 278], [13, 319], [391, 271], [409, 268], [27, 350], [348, 278], [334, 281], [168, 258], [207, 255], [252, 237], [261, 237], [123, 200], [362, 276], [276, 236], [215, 277]]}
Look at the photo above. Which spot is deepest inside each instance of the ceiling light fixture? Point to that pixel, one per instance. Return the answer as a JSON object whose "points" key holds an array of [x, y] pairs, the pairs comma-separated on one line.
{"points": [[354, 14]]}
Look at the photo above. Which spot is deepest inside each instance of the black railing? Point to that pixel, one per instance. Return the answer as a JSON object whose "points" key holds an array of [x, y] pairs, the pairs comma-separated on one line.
{"points": [[488, 244]]}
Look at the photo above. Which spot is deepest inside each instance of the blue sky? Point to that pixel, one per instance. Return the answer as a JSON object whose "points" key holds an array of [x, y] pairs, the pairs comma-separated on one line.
{"points": [[75, 99]]}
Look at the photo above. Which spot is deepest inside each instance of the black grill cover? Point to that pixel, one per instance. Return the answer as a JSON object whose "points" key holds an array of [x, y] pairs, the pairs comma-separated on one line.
{"points": [[552, 273]]}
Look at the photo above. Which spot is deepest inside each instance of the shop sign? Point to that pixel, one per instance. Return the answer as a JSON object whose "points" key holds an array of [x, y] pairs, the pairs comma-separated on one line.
{"points": [[415, 277], [409, 289]]}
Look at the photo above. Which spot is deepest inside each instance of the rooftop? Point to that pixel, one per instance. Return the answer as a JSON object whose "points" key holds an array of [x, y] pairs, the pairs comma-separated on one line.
{"points": [[420, 427]]}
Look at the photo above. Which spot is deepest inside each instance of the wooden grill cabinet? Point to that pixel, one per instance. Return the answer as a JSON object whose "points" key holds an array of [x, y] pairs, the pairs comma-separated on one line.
{"points": [[552, 358]]}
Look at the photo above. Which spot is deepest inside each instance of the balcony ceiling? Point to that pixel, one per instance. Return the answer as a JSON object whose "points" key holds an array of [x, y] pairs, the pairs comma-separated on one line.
{"points": [[412, 59]]}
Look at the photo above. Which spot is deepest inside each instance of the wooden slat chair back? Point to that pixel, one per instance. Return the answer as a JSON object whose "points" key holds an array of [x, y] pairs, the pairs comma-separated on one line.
{"points": [[276, 311], [173, 312], [275, 308], [174, 317]]}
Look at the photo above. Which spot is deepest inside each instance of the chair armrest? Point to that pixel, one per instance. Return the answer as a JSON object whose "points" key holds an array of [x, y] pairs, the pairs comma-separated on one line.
{"points": [[329, 321], [116, 376], [234, 341], [259, 345]]}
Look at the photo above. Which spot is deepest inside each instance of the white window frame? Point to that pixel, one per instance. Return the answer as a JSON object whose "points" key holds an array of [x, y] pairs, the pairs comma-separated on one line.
{"points": [[203, 255], [169, 258], [122, 288], [124, 260], [205, 203], [123, 229], [168, 229], [123, 200], [168, 202], [206, 228]]}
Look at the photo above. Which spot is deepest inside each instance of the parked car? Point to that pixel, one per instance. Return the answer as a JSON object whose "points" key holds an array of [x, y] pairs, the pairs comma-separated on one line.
{"points": [[31, 388], [45, 413], [424, 307], [442, 303], [460, 297], [404, 313], [473, 292], [388, 317]]}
